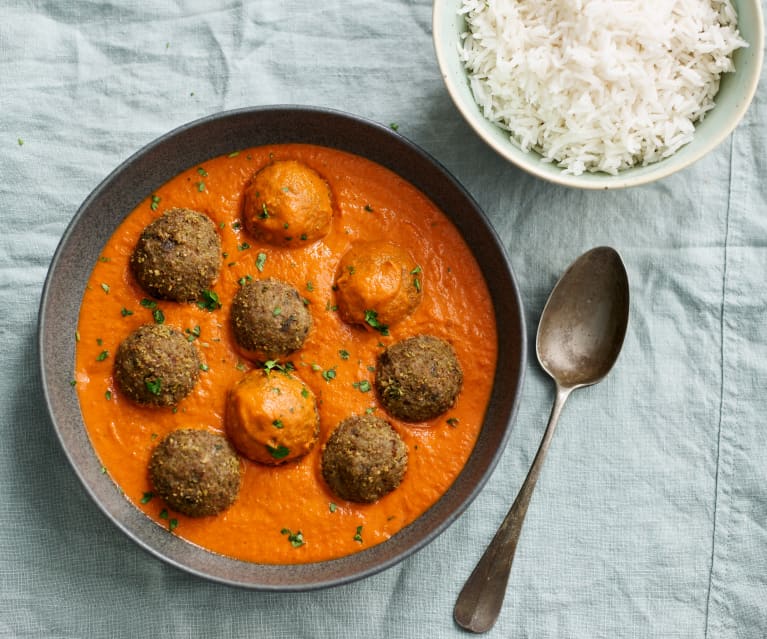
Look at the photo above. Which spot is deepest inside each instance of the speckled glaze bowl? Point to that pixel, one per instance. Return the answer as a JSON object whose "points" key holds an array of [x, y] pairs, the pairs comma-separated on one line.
{"points": [[735, 94], [192, 144]]}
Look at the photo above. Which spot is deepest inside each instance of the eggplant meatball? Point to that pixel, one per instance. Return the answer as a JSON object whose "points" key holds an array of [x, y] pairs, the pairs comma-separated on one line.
{"points": [[196, 472], [271, 417], [269, 319], [377, 281], [156, 365], [287, 204], [364, 459], [419, 378], [177, 256]]}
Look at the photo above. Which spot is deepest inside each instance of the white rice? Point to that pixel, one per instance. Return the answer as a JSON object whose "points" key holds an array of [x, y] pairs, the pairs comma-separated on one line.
{"points": [[598, 85]]}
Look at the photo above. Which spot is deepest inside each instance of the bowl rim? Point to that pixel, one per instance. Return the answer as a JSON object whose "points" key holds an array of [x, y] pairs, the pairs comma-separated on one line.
{"points": [[443, 42], [100, 487]]}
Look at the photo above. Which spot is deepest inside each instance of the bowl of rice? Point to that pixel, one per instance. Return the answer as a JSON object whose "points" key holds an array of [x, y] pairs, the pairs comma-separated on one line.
{"points": [[600, 94]]}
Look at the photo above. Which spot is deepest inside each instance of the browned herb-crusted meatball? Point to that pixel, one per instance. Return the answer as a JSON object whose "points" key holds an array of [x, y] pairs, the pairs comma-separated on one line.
{"points": [[196, 472], [177, 256], [418, 378], [156, 365], [269, 319], [364, 459]]}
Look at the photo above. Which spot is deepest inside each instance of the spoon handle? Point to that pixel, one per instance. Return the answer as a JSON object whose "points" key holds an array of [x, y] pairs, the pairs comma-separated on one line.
{"points": [[480, 601]]}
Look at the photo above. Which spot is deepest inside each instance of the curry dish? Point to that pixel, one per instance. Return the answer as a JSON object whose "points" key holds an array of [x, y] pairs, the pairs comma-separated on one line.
{"points": [[285, 510]]}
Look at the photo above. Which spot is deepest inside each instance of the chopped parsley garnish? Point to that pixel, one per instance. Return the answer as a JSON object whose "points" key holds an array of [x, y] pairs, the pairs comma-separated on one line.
{"points": [[105, 288], [243, 247], [277, 423], [260, 261], [394, 126], [148, 303], [296, 539], [371, 318], [172, 525], [280, 452], [332, 507], [155, 202], [329, 374], [154, 386], [147, 497], [192, 333], [304, 392], [204, 367], [108, 395], [362, 386], [201, 186], [452, 422], [304, 236], [310, 286], [202, 172], [264, 212], [358, 534], [344, 354], [277, 311], [102, 356], [126, 312], [233, 154], [209, 301], [159, 316]]}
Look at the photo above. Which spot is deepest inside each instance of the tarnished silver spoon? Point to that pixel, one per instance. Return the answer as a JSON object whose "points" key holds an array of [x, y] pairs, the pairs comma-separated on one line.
{"points": [[580, 334]]}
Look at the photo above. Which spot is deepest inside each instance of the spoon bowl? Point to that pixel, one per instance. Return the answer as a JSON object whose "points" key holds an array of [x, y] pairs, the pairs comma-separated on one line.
{"points": [[583, 324], [580, 334]]}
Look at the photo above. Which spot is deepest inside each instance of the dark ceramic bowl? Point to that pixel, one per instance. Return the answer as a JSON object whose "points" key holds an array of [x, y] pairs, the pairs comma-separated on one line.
{"points": [[192, 144]]}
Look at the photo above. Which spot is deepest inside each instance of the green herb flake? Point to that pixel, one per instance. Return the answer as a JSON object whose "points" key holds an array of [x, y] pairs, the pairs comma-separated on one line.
{"points": [[172, 525], [310, 286], [192, 333], [209, 301], [20, 141], [394, 126], [368, 208], [147, 497], [159, 316], [233, 154], [202, 172], [296, 539], [105, 288], [358, 534], [243, 247], [277, 311], [304, 392], [200, 186], [163, 514], [329, 374], [362, 386], [452, 422], [126, 312], [204, 367], [371, 318], [417, 284], [343, 354], [277, 423], [332, 507], [260, 261], [148, 303], [280, 452], [73, 382], [155, 202], [154, 386], [264, 212], [102, 356], [108, 395]]}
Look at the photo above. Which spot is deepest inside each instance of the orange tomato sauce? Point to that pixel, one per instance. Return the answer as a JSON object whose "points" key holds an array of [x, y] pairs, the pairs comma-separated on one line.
{"points": [[370, 203]]}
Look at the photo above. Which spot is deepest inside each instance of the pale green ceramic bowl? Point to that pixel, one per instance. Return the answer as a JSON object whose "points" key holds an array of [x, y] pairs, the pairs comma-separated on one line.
{"points": [[735, 94]]}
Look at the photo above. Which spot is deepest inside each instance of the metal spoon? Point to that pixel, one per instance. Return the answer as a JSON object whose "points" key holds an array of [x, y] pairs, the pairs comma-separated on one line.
{"points": [[579, 337]]}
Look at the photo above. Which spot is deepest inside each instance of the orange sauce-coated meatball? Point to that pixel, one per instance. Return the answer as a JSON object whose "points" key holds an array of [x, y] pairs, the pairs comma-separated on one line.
{"points": [[377, 282], [287, 204], [271, 417]]}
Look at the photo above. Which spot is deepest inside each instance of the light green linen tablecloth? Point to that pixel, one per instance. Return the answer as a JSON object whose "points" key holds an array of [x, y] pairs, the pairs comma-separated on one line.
{"points": [[650, 517]]}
